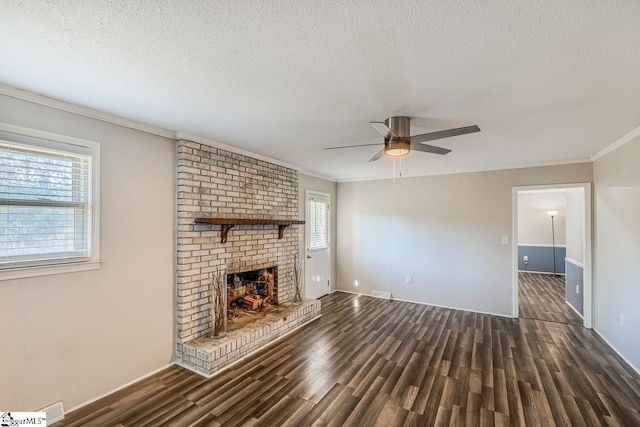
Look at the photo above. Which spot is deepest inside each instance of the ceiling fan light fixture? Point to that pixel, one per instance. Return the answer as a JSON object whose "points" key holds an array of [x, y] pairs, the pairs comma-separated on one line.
{"points": [[397, 148], [397, 152]]}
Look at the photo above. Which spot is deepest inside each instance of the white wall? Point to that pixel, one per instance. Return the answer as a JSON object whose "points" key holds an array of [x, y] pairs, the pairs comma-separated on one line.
{"points": [[534, 225], [575, 224], [75, 336], [445, 231], [617, 248], [306, 182]]}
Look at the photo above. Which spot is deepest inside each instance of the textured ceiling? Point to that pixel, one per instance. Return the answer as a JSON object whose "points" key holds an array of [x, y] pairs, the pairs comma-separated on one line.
{"points": [[547, 81]]}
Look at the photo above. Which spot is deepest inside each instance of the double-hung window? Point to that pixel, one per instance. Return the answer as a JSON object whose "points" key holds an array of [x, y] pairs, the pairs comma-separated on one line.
{"points": [[318, 223], [48, 203]]}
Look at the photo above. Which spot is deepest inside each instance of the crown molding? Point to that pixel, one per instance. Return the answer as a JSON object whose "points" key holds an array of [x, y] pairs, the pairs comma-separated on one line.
{"points": [[154, 130], [216, 144], [619, 143], [316, 175], [460, 171], [232, 149], [83, 111], [80, 110]]}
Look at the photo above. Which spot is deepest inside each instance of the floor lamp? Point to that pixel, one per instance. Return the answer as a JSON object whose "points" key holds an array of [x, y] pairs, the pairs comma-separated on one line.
{"points": [[552, 214]]}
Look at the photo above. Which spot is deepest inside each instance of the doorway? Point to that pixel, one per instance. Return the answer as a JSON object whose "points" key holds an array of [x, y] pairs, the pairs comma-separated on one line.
{"points": [[552, 253], [317, 259]]}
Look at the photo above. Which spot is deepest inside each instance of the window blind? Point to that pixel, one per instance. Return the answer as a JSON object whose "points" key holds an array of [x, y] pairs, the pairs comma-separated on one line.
{"points": [[318, 224], [45, 209]]}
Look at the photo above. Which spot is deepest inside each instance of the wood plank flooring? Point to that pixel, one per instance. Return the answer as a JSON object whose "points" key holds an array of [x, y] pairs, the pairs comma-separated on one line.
{"points": [[372, 362], [542, 297]]}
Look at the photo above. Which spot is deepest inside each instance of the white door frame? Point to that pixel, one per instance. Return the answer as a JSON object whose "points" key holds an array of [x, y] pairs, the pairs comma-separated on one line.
{"points": [[587, 250], [307, 194]]}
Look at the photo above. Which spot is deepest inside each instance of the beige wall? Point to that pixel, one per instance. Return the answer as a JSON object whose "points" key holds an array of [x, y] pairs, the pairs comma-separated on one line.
{"points": [[75, 336], [306, 182], [617, 248], [575, 224], [444, 231], [534, 225]]}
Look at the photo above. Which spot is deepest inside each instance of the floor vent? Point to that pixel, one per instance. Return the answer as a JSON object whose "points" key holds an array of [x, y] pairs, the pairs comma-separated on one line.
{"points": [[54, 412], [381, 294]]}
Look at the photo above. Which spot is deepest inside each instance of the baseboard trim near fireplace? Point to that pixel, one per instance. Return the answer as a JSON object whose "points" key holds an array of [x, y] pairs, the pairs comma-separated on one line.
{"points": [[130, 383], [258, 349]]}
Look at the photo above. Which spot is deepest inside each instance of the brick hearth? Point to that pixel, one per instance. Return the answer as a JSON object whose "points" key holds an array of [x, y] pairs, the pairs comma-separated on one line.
{"points": [[207, 355]]}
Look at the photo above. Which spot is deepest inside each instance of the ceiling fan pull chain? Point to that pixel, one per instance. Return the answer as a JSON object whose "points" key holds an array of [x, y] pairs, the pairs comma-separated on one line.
{"points": [[400, 160], [394, 169]]}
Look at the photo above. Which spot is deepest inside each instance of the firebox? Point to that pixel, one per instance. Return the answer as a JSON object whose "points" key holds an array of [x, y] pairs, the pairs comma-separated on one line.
{"points": [[252, 290]]}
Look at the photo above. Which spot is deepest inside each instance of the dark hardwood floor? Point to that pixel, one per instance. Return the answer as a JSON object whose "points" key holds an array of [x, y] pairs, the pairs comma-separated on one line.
{"points": [[370, 362], [542, 297]]}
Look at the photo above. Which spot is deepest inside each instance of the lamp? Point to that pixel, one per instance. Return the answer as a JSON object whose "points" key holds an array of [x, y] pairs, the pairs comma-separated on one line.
{"points": [[552, 214]]}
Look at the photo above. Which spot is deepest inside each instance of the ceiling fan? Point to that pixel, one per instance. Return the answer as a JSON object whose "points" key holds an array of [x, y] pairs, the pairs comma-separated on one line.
{"points": [[398, 142]]}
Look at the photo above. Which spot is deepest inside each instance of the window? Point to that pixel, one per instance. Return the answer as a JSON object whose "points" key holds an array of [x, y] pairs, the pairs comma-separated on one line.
{"points": [[48, 209], [318, 223]]}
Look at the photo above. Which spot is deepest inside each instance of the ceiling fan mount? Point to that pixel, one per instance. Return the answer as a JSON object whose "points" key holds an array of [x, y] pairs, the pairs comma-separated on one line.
{"points": [[396, 132], [398, 141]]}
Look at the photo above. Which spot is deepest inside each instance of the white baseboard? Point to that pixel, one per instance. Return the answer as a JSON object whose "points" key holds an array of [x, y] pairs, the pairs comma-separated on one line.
{"points": [[425, 303], [145, 376], [574, 309], [574, 262], [538, 245], [635, 368], [155, 371], [360, 293], [540, 272]]}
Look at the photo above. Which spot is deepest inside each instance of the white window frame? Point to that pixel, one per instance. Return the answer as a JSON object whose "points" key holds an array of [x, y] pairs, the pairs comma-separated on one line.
{"points": [[309, 195], [47, 140]]}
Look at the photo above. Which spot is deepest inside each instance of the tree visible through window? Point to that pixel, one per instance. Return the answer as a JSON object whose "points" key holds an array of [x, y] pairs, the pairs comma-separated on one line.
{"points": [[45, 205]]}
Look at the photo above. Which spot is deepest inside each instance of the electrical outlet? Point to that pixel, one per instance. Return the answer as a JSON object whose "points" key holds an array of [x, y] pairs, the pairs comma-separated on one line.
{"points": [[525, 258], [409, 279], [621, 319], [505, 240], [577, 289]]}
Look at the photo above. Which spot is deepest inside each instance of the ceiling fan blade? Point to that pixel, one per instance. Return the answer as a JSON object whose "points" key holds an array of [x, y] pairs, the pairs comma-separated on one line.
{"points": [[384, 130], [377, 156], [428, 148], [352, 146], [444, 134]]}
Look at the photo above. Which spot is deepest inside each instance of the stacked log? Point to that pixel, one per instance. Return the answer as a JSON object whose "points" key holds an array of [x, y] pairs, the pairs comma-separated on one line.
{"points": [[252, 303]]}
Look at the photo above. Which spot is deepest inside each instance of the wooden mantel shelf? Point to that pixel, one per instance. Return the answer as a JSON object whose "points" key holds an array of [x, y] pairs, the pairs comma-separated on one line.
{"points": [[228, 223]]}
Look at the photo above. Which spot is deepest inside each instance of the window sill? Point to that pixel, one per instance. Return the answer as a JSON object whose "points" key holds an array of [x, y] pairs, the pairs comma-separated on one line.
{"points": [[46, 270]]}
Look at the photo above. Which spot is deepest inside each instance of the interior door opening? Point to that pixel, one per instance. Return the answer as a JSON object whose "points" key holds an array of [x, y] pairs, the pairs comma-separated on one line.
{"points": [[552, 253]]}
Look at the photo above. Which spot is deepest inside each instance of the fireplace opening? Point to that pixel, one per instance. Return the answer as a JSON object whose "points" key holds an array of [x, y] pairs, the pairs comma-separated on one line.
{"points": [[253, 290]]}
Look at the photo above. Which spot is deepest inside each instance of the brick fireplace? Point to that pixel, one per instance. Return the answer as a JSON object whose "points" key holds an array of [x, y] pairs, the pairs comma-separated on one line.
{"points": [[212, 182]]}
